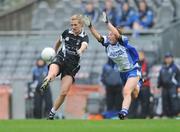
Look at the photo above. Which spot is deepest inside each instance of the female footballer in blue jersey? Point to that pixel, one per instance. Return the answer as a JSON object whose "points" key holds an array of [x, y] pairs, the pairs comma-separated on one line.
{"points": [[126, 58]]}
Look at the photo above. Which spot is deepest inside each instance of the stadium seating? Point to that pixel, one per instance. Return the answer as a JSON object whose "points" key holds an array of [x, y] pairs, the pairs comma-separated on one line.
{"points": [[6, 5], [40, 16], [164, 11], [59, 12], [177, 7], [23, 51], [64, 9], [49, 24]]}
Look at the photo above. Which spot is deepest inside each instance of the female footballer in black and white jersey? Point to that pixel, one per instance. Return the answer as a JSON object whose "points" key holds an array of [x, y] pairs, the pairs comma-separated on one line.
{"points": [[66, 62]]}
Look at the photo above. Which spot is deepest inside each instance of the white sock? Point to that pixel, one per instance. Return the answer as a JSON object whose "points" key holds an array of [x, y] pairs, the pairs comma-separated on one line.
{"points": [[53, 110]]}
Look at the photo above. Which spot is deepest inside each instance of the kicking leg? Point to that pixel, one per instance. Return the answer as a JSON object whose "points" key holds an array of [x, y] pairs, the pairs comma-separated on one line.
{"points": [[53, 72]]}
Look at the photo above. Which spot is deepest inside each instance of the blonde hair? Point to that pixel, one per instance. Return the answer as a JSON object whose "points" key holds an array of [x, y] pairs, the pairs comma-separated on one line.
{"points": [[78, 17]]}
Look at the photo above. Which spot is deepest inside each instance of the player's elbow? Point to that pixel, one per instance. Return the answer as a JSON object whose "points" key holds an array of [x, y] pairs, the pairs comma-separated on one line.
{"points": [[100, 39]]}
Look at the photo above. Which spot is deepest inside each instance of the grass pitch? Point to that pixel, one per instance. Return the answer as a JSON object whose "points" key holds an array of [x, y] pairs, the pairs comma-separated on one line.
{"points": [[90, 126]]}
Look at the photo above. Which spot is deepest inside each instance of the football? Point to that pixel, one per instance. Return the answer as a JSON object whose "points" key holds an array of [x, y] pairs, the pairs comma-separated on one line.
{"points": [[48, 54]]}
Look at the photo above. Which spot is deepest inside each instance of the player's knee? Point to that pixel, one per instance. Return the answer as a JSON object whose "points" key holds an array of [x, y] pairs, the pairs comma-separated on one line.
{"points": [[51, 76]]}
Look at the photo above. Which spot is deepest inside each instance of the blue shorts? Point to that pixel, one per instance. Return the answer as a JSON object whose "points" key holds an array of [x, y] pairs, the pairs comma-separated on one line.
{"points": [[132, 73]]}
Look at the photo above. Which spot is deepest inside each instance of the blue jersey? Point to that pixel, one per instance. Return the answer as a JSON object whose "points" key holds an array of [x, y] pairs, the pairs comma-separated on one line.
{"points": [[146, 18], [122, 53], [39, 73]]}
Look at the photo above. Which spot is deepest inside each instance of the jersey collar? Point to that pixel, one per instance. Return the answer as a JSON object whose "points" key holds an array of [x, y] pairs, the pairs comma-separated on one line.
{"points": [[82, 34]]}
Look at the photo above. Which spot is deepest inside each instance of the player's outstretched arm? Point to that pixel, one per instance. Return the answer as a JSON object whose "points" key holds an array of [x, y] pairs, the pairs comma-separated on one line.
{"points": [[110, 26], [94, 32], [57, 45]]}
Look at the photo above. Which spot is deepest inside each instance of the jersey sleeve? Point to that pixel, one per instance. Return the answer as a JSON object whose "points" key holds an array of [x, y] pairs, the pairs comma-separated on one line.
{"points": [[85, 39], [63, 35], [104, 41], [123, 40]]}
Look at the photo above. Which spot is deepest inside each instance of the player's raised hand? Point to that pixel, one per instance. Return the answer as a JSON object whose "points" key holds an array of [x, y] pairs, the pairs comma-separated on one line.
{"points": [[87, 21], [104, 17]]}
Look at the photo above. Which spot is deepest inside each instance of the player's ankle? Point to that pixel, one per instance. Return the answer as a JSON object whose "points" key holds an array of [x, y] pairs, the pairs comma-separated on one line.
{"points": [[52, 114], [48, 78], [124, 110], [123, 114], [53, 110]]}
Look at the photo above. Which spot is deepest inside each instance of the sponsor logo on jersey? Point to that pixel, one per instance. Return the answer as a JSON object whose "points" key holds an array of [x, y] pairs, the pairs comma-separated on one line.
{"points": [[116, 53], [78, 42], [67, 38]]}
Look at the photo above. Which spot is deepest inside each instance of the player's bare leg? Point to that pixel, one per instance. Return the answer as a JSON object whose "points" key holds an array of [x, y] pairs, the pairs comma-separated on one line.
{"points": [[129, 89], [66, 84], [53, 72]]}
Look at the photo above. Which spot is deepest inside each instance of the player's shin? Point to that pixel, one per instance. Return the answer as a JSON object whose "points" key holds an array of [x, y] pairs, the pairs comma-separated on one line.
{"points": [[125, 105]]}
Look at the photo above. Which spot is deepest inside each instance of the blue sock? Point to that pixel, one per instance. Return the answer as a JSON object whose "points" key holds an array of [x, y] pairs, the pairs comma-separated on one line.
{"points": [[124, 111]]}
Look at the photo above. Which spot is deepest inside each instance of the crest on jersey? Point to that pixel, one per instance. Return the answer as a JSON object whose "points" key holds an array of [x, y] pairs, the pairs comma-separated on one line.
{"points": [[170, 70], [78, 41], [67, 38]]}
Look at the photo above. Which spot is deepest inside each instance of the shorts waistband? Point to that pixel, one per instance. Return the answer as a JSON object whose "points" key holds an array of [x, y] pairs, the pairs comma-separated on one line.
{"points": [[135, 66], [71, 52]]}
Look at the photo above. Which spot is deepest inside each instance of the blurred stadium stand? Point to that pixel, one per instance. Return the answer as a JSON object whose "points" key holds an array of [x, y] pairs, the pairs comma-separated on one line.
{"points": [[25, 31]]}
